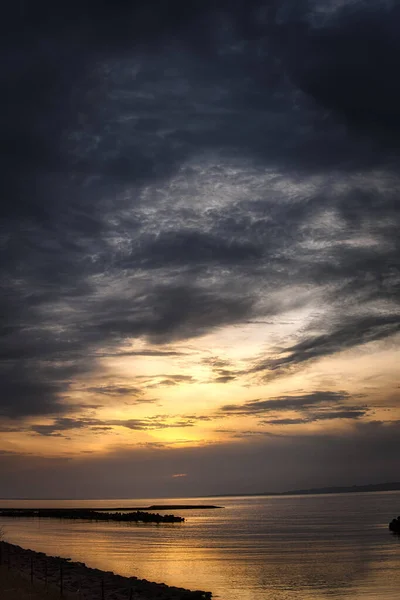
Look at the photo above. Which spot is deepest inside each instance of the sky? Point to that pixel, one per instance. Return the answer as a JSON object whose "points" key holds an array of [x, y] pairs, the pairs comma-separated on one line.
{"points": [[199, 241]]}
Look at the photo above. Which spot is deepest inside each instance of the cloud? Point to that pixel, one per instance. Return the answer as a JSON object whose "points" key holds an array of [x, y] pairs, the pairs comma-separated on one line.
{"points": [[286, 403], [198, 417], [311, 407], [87, 425], [170, 379], [26, 392], [365, 453], [101, 428], [350, 333], [365, 92], [171, 312], [152, 423], [180, 247], [63, 424], [115, 390], [197, 168], [322, 416], [147, 352], [222, 370], [224, 378]]}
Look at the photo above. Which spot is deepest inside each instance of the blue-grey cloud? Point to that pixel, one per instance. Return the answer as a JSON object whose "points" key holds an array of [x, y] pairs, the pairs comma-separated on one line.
{"points": [[321, 416], [310, 407], [115, 390], [61, 425], [349, 333], [178, 169], [294, 402]]}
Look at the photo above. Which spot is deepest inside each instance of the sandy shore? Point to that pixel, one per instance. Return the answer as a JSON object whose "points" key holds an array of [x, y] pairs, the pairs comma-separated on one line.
{"points": [[52, 576]]}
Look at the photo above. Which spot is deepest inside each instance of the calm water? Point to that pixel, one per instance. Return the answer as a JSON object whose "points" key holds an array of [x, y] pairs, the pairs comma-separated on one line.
{"points": [[259, 548]]}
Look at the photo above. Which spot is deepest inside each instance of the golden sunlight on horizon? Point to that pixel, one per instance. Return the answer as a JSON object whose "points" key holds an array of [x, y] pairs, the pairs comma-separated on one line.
{"points": [[209, 390]]}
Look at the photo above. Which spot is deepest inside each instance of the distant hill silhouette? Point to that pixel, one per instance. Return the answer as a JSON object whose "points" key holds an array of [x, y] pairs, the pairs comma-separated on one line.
{"points": [[372, 487]]}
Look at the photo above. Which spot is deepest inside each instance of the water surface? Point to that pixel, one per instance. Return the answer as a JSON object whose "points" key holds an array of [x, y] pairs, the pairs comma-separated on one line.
{"points": [[256, 548]]}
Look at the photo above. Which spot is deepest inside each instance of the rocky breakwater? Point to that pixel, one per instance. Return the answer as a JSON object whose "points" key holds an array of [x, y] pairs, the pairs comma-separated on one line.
{"points": [[394, 525], [137, 516], [75, 580]]}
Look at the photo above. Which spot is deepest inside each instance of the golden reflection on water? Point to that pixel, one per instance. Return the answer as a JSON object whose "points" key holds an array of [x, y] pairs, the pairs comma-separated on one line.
{"points": [[254, 549]]}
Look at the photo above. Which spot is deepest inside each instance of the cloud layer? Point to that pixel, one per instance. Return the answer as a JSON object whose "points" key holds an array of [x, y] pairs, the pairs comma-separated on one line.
{"points": [[173, 173]]}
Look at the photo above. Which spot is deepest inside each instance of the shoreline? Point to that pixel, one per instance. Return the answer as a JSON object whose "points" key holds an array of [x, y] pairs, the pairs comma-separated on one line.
{"points": [[73, 580]]}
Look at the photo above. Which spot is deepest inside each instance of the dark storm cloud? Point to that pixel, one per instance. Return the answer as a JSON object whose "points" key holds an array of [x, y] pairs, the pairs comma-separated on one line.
{"points": [[27, 392], [168, 170], [193, 247], [361, 48], [170, 312]]}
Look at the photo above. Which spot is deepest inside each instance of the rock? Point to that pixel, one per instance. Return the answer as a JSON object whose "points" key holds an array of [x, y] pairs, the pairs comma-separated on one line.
{"points": [[394, 525]]}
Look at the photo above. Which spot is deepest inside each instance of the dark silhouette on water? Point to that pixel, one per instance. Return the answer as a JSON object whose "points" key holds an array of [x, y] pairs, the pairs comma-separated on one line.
{"points": [[394, 525], [91, 515], [131, 508]]}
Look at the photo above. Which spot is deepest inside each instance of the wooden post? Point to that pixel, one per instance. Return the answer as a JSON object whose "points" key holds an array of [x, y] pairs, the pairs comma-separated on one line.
{"points": [[102, 588], [9, 557], [32, 569], [131, 595], [61, 580]]}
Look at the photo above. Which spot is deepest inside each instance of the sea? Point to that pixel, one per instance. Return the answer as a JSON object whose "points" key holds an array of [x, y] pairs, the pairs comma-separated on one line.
{"points": [[309, 547]]}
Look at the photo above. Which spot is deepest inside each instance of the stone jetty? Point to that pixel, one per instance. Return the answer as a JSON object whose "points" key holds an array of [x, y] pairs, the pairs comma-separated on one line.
{"points": [[75, 580], [91, 515]]}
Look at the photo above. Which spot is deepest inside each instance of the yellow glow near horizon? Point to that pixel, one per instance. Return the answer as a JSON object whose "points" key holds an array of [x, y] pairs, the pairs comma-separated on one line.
{"points": [[170, 395]]}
